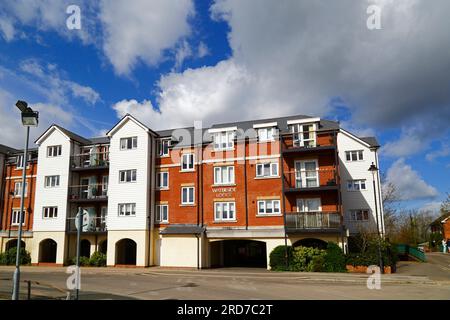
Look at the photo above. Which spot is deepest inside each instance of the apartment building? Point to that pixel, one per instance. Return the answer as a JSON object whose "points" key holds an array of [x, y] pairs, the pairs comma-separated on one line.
{"points": [[202, 197], [11, 191]]}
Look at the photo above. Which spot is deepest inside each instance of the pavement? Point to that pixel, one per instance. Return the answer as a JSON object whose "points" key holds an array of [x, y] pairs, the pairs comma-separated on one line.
{"points": [[414, 280]]}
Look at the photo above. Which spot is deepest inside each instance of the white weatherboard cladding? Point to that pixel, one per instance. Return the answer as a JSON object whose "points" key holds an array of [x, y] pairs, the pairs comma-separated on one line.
{"points": [[354, 170], [52, 197], [134, 192]]}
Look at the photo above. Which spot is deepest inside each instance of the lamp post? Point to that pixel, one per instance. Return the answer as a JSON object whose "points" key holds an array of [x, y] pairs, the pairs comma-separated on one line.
{"points": [[29, 119], [373, 169]]}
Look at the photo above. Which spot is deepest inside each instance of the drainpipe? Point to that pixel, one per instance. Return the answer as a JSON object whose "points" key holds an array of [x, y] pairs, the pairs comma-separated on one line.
{"points": [[337, 175], [284, 200], [245, 183], [379, 195], [3, 191]]}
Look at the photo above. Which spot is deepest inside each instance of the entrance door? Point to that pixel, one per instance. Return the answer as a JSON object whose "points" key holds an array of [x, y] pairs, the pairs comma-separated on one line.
{"points": [[306, 175], [310, 212]]}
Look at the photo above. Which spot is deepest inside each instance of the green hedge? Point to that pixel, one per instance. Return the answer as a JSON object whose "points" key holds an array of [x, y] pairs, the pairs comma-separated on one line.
{"points": [[8, 258], [97, 259], [370, 256], [277, 260]]}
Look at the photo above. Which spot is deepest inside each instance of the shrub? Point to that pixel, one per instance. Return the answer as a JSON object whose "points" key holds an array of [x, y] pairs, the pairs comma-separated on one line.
{"points": [[334, 260], [277, 259], [98, 259], [9, 257], [307, 259]]}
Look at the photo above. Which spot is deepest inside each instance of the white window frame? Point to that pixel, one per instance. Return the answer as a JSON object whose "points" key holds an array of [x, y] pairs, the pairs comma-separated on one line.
{"points": [[159, 217], [224, 140], [230, 179], [105, 182], [183, 202], [19, 164], [354, 215], [266, 204], [302, 137], [306, 206], [124, 208], [15, 217], [161, 147], [128, 143], [303, 175], [357, 154], [188, 159], [127, 173], [266, 134], [272, 166], [54, 151], [356, 185], [18, 189], [52, 181], [159, 179], [230, 207], [50, 212]]}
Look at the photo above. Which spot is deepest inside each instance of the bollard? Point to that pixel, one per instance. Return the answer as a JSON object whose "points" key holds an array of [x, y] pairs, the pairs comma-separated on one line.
{"points": [[29, 289]]}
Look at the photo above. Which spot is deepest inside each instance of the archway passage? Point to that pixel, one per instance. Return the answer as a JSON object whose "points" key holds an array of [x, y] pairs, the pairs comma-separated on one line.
{"points": [[47, 251], [13, 244], [311, 242], [126, 252], [103, 246], [85, 248], [239, 253]]}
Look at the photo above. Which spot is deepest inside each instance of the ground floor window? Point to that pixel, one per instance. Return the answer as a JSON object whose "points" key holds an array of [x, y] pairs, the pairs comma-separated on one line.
{"points": [[15, 217], [268, 207], [162, 213]]}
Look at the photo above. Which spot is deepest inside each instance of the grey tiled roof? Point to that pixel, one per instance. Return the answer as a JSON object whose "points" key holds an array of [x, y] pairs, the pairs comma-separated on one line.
{"points": [[372, 141], [6, 150]]}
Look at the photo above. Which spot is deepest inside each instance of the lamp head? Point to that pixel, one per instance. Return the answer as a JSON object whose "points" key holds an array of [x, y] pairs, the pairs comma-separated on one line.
{"points": [[373, 168], [22, 105], [30, 118]]}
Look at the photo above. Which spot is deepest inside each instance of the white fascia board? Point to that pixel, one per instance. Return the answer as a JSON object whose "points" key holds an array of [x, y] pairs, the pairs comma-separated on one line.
{"points": [[123, 121], [265, 125], [352, 136], [307, 120], [47, 133], [215, 130]]}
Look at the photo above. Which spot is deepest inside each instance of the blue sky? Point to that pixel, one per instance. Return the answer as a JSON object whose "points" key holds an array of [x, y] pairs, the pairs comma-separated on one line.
{"points": [[172, 62]]}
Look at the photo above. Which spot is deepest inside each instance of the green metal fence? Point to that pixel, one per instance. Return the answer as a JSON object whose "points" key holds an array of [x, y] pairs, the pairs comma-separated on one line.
{"points": [[405, 249]]}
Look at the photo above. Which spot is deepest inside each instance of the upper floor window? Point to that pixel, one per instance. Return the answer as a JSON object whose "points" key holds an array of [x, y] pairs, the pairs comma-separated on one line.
{"points": [[359, 215], [269, 169], [54, 151], [356, 185], [266, 134], [162, 180], [224, 175], [127, 176], [51, 181], [15, 217], [304, 135], [162, 213], [127, 209], [355, 155], [19, 160], [49, 212], [18, 189], [223, 140], [128, 143], [224, 211], [163, 147], [269, 207], [187, 162], [187, 195]]}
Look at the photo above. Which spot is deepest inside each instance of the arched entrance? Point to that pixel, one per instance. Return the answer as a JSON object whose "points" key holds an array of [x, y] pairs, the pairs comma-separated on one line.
{"points": [[126, 252], [13, 244], [239, 253], [311, 242], [103, 246], [47, 251], [85, 248]]}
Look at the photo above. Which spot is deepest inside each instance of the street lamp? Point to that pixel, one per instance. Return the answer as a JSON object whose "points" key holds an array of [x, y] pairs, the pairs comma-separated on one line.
{"points": [[29, 119], [374, 170]]}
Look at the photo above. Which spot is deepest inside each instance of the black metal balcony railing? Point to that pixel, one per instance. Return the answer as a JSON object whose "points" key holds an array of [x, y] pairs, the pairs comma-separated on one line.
{"points": [[307, 179], [90, 224], [308, 140], [88, 192], [316, 220], [90, 160]]}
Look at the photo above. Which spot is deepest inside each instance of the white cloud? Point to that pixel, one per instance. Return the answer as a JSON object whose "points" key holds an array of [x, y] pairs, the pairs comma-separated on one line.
{"points": [[433, 206], [203, 50], [442, 152], [140, 30], [409, 184], [183, 52]]}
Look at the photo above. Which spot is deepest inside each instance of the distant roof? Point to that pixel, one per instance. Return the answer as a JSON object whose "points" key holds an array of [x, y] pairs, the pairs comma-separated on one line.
{"points": [[73, 136], [5, 149], [99, 140], [372, 141], [439, 220], [183, 229]]}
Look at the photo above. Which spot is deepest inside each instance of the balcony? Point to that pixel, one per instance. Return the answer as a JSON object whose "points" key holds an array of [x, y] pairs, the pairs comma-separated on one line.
{"points": [[89, 161], [88, 193], [91, 224], [310, 180], [317, 221], [308, 142]]}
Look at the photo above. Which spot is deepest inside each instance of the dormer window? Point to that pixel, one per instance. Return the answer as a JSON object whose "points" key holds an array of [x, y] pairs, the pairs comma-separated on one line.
{"points": [[163, 147], [304, 134], [266, 134], [223, 140]]}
